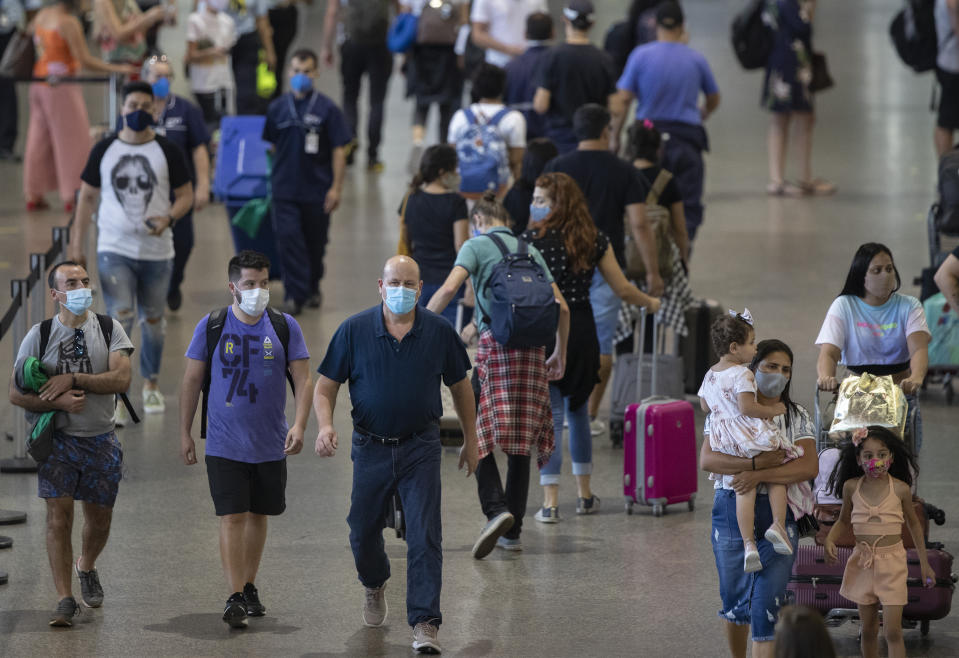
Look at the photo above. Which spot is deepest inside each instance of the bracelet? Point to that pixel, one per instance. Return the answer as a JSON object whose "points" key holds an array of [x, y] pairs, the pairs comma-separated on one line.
{"points": [[754, 463]]}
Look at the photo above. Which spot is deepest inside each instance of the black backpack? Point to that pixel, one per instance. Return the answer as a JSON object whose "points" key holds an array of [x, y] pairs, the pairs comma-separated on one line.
{"points": [[367, 21], [523, 311], [214, 329], [913, 33], [106, 328], [752, 38]]}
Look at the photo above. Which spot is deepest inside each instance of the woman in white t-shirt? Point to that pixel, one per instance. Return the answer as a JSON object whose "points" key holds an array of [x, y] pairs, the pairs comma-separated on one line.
{"points": [[872, 328], [489, 82], [210, 34]]}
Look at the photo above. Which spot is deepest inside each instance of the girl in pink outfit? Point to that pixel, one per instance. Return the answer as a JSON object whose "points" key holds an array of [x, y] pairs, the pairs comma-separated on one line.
{"points": [[742, 427], [58, 137]]}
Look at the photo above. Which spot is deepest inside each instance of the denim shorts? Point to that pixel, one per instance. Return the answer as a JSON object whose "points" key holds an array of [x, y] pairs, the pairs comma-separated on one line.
{"points": [[750, 598], [86, 468]]}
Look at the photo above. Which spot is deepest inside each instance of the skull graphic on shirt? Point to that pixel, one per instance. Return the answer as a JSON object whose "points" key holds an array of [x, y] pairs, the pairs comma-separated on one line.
{"points": [[133, 181]]}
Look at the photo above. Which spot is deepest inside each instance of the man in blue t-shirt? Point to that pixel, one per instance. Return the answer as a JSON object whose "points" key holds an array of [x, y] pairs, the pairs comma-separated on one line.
{"points": [[308, 133], [666, 78], [394, 355], [248, 438]]}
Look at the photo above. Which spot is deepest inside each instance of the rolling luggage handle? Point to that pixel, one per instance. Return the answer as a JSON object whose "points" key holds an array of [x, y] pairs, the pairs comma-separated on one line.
{"points": [[639, 339]]}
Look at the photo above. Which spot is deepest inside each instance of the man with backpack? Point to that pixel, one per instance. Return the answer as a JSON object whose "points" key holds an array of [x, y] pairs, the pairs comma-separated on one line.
{"points": [[84, 359], [360, 27], [489, 137], [240, 357], [395, 356]]}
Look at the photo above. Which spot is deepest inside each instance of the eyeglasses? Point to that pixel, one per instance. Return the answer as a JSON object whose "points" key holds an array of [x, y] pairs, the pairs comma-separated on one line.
{"points": [[79, 344]]}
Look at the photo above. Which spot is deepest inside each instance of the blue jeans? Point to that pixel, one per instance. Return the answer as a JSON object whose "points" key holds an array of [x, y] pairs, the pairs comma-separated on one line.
{"points": [[606, 306], [128, 283], [580, 439], [413, 469], [750, 598]]}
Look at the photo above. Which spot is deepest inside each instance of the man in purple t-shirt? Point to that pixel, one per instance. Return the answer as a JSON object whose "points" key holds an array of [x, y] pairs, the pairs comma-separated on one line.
{"points": [[247, 438]]}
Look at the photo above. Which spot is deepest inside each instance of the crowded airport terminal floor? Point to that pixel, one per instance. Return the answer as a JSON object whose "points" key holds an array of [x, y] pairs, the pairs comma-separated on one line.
{"points": [[606, 584]]}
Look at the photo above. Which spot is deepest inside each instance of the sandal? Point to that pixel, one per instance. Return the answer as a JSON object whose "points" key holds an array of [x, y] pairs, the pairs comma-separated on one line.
{"points": [[35, 205], [818, 187], [775, 189]]}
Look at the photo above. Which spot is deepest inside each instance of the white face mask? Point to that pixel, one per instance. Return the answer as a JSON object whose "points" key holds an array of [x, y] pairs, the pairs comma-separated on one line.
{"points": [[253, 302]]}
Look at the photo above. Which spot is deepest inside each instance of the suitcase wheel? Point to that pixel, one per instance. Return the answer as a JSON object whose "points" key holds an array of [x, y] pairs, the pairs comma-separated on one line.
{"points": [[691, 503], [658, 509], [924, 627], [629, 507]]}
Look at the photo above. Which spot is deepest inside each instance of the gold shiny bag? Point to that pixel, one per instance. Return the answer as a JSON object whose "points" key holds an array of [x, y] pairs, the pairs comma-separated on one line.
{"points": [[869, 400]]}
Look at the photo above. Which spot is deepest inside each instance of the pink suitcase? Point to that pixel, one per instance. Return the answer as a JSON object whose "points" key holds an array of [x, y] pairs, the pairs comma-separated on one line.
{"points": [[659, 448], [816, 584]]}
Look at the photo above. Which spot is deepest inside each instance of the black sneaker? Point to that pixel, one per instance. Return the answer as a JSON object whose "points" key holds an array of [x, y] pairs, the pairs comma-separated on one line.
{"points": [[66, 610], [252, 598], [91, 593], [234, 613], [350, 152], [291, 307], [174, 300], [315, 300]]}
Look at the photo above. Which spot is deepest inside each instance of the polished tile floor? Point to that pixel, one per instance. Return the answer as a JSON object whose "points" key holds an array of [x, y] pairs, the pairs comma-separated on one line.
{"points": [[605, 585]]}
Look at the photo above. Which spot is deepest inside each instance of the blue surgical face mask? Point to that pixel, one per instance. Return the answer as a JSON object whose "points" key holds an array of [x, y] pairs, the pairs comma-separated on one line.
{"points": [[161, 88], [539, 213], [771, 384], [78, 300], [399, 299], [301, 83], [138, 120]]}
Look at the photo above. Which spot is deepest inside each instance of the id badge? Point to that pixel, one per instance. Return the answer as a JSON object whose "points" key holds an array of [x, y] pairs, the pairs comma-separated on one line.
{"points": [[312, 143]]}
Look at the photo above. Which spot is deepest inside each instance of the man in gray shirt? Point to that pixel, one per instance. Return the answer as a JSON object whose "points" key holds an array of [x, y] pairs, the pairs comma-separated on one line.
{"points": [[86, 370]]}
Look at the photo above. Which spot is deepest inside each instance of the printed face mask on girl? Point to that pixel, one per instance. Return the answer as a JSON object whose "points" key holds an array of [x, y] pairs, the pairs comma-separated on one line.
{"points": [[876, 468], [253, 302], [400, 300]]}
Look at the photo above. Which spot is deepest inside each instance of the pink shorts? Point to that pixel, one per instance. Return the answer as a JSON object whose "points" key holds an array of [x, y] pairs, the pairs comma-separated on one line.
{"points": [[876, 575]]}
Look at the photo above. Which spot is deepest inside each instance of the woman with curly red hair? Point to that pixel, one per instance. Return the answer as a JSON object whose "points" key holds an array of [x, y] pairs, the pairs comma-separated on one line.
{"points": [[561, 228]]}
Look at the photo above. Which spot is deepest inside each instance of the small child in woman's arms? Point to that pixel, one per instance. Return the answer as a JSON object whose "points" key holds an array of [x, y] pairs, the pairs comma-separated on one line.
{"points": [[741, 426]]}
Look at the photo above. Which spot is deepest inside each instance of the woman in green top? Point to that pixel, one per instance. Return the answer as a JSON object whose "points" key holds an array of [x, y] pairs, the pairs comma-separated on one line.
{"points": [[514, 403]]}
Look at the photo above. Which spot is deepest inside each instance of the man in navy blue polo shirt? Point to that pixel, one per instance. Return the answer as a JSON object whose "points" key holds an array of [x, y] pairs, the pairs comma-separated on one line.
{"points": [[309, 133], [182, 123], [393, 356]]}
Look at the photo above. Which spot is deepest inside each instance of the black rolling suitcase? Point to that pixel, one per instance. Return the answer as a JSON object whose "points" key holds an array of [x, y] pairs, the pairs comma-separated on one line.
{"points": [[696, 347]]}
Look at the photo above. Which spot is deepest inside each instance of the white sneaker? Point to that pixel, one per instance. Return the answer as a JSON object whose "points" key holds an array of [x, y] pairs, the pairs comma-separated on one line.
{"points": [[121, 417], [597, 427], [153, 401]]}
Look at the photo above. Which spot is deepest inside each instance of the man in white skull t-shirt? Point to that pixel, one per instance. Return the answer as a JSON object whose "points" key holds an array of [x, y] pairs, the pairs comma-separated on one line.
{"points": [[144, 187]]}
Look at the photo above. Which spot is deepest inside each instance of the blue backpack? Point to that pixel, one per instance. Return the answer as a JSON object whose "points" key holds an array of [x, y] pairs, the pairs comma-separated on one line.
{"points": [[482, 154], [523, 310]]}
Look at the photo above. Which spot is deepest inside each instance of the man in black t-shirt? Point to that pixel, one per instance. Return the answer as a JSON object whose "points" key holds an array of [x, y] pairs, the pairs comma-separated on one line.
{"points": [[613, 189], [571, 75]]}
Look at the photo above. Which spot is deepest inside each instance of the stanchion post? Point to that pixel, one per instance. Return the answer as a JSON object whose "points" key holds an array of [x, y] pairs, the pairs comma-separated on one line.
{"points": [[20, 463], [112, 108]]}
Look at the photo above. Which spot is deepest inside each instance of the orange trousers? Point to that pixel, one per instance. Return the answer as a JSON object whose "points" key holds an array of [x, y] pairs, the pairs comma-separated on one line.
{"points": [[58, 141]]}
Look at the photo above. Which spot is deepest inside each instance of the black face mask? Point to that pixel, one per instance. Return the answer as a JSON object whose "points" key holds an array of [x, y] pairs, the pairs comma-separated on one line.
{"points": [[138, 120]]}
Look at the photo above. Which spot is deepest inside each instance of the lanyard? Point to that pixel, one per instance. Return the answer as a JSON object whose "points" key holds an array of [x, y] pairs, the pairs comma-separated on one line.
{"points": [[309, 108], [161, 120]]}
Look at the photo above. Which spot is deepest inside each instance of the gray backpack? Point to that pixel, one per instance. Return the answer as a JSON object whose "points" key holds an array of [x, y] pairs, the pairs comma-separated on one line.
{"points": [[367, 21]]}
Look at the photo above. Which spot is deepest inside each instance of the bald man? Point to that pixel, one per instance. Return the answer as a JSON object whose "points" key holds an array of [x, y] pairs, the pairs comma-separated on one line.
{"points": [[394, 355]]}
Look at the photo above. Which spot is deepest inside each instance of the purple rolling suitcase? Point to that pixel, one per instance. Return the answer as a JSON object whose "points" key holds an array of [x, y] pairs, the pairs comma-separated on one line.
{"points": [[659, 448], [816, 584]]}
